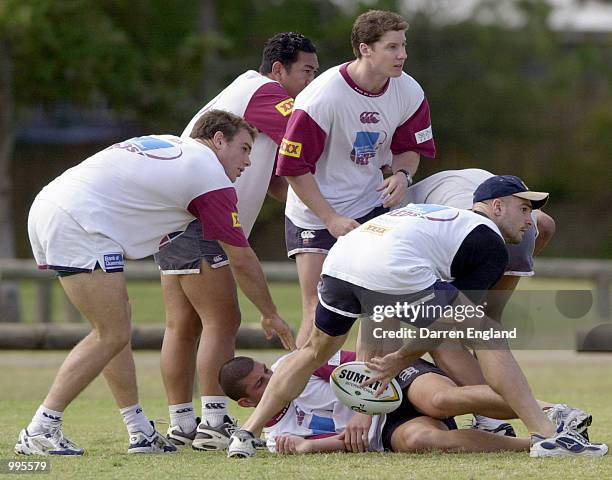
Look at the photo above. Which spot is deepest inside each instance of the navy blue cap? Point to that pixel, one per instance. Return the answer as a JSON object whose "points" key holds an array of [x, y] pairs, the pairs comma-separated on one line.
{"points": [[504, 185]]}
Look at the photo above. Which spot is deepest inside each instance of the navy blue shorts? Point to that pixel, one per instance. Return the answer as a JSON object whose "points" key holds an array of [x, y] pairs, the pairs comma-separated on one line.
{"points": [[407, 411], [306, 240], [185, 252], [341, 303]]}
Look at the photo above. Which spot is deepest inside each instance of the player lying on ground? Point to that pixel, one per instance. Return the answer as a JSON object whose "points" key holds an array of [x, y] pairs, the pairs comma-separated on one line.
{"points": [[316, 421], [432, 256]]}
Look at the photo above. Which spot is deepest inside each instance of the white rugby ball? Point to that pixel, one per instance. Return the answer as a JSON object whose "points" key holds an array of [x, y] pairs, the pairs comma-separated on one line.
{"points": [[345, 381]]}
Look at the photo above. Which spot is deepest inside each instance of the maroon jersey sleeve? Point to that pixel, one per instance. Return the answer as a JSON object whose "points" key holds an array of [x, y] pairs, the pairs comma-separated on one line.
{"points": [[301, 147], [415, 134], [269, 109], [326, 370], [219, 216]]}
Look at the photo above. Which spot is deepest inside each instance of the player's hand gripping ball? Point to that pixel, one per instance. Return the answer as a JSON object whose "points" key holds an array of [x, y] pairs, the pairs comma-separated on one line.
{"points": [[345, 382]]}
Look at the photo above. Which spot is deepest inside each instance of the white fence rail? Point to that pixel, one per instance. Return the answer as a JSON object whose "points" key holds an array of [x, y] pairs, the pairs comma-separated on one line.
{"points": [[597, 271]]}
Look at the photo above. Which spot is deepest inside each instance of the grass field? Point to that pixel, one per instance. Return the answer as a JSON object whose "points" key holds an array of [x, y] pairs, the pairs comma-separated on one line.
{"points": [[94, 423]]}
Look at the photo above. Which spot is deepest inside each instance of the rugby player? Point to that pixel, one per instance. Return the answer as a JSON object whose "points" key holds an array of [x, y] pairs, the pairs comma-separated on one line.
{"points": [[431, 256], [315, 421], [348, 123], [123, 202], [455, 188], [198, 287]]}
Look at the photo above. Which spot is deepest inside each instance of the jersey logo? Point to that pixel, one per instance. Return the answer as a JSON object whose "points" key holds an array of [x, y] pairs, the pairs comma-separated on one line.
{"points": [[365, 145], [291, 149], [423, 135], [113, 261], [369, 117], [151, 147], [375, 229], [285, 107], [235, 221]]}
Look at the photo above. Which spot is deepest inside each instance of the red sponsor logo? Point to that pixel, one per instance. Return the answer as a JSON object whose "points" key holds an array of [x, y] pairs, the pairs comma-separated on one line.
{"points": [[369, 117]]}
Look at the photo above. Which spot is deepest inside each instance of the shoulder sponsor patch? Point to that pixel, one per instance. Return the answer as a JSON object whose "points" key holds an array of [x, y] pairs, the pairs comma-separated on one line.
{"points": [[291, 149], [423, 135], [285, 107], [235, 221]]}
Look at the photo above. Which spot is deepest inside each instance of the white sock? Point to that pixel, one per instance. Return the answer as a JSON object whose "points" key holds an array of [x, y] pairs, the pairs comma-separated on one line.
{"points": [[214, 408], [182, 415], [44, 420], [135, 420]]}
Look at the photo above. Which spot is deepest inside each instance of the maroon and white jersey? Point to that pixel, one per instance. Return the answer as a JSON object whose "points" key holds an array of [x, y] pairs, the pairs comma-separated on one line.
{"points": [[265, 105], [317, 412], [343, 135], [138, 191]]}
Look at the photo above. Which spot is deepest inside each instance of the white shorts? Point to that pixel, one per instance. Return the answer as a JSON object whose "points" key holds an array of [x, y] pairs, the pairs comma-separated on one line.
{"points": [[60, 243]]}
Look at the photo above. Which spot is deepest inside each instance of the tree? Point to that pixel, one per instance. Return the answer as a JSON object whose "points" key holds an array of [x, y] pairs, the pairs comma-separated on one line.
{"points": [[88, 53]]}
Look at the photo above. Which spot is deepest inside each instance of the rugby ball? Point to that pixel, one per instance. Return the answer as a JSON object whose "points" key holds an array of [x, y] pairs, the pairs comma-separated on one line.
{"points": [[345, 381]]}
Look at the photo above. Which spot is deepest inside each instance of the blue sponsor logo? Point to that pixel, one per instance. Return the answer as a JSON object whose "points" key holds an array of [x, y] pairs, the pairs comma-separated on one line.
{"points": [[113, 261], [150, 143], [425, 208], [364, 147]]}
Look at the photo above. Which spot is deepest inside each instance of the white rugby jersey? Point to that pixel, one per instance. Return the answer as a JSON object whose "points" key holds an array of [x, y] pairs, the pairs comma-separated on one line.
{"points": [[265, 105], [403, 251], [138, 191], [343, 135], [453, 188], [317, 412]]}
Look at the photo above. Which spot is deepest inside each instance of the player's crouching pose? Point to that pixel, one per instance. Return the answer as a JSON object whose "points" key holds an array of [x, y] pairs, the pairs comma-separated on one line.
{"points": [[199, 289], [427, 255], [122, 203], [455, 188], [315, 421]]}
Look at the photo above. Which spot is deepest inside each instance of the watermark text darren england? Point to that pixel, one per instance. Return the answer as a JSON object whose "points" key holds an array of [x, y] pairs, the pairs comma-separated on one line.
{"points": [[421, 333]]}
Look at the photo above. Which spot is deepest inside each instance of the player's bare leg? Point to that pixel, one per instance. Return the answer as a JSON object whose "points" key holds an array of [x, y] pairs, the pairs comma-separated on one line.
{"points": [[439, 397], [425, 433], [178, 352], [292, 376], [458, 363], [214, 297], [309, 267], [102, 299]]}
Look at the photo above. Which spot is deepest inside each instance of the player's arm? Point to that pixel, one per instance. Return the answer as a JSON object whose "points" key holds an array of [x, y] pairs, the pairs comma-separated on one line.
{"points": [[300, 150], [411, 139], [249, 275], [394, 187], [218, 214], [277, 189], [268, 110], [292, 444], [307, 189]]}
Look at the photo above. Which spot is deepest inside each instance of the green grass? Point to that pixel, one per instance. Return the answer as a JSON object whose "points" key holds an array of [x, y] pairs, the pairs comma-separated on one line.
{"points": [[94, 423]]}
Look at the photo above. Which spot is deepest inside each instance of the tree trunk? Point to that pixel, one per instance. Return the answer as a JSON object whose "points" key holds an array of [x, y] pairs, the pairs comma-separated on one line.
{"points": [[209, 28], [9, 293]]}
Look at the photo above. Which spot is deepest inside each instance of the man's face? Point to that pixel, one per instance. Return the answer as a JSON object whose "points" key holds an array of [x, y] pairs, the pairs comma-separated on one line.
{"points": [[299, 74], [388, 54], [513, 217], [255, 383], [234, 154]]}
